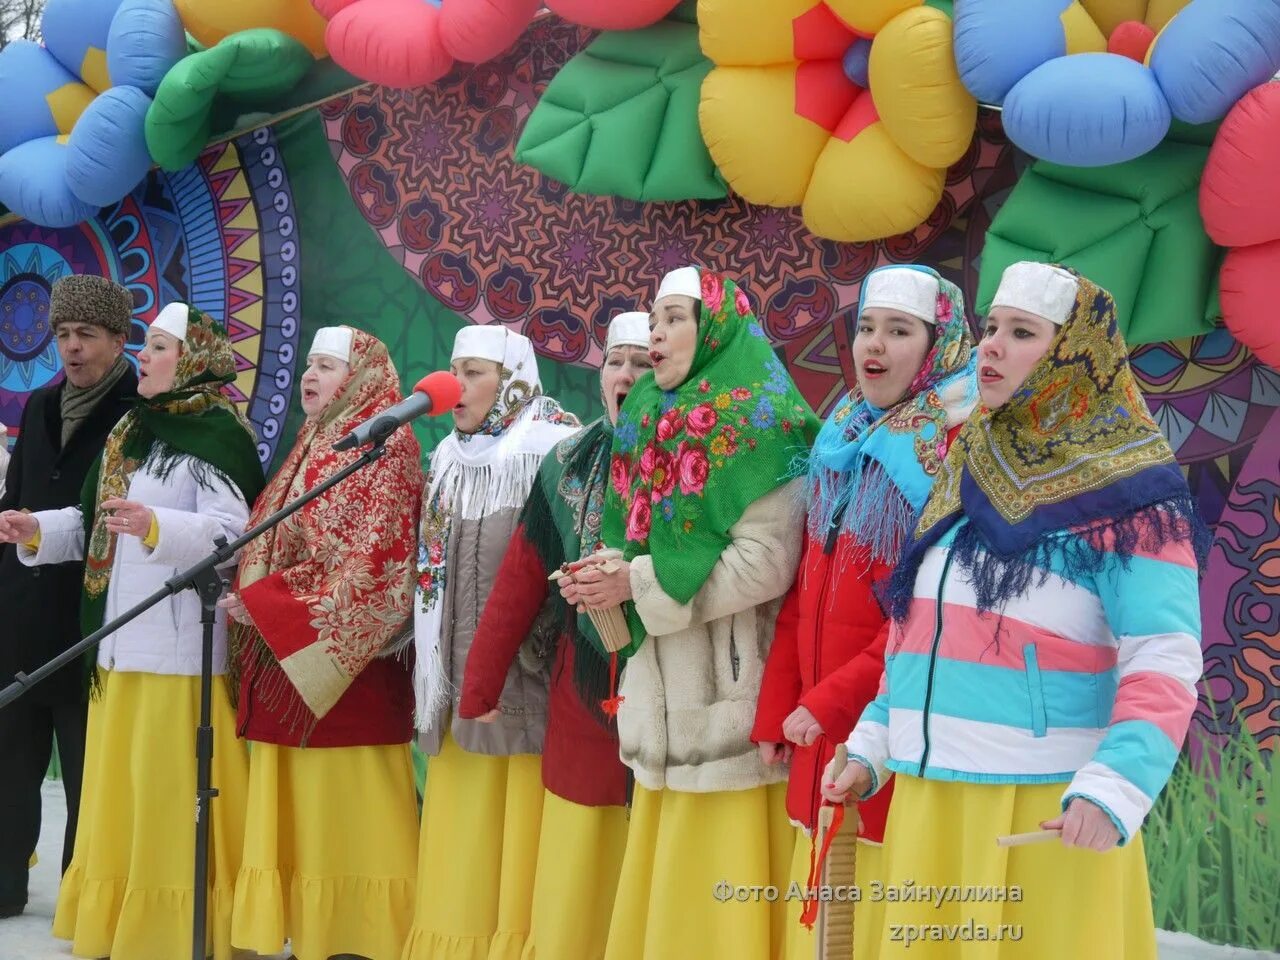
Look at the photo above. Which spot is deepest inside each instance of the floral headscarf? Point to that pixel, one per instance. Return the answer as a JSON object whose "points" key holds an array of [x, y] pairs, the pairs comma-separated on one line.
{"points": [[1075, 449], [193, 419], [331, 587], [686, 463], [871, 469]]}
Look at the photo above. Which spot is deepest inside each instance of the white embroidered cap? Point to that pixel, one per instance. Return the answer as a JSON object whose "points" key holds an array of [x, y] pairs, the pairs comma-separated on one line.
{"points": [[684, 282], [908, 291], [481, 342], [628, 330], [173, 320], [1037, 288], [333, 342]]}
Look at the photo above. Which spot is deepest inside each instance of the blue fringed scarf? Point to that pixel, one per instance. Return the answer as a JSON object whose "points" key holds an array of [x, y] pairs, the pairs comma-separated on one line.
{"points": [[1072, 465], [871, 470]]}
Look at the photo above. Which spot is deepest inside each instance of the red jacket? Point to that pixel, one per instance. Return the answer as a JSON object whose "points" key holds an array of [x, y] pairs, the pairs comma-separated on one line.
{"points": [[827, 656], [580, 757]]}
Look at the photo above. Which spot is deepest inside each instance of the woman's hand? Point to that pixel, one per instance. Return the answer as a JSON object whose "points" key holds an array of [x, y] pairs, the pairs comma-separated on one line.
{"points": [[17, 527], [598, 589], [489, 717], [855, 780], [774, 753], [801, 727], [1085, 824], [570, 591], [236, 609], [128, 517]]}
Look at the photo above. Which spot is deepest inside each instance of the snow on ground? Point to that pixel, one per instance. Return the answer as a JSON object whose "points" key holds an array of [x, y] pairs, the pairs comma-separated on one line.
{"points": [[28, 938]]}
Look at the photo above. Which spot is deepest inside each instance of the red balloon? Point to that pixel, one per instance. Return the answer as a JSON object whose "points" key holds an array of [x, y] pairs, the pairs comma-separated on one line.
{"points": [[395, 43], [1240, 188], [476, 31], [613, 14], [1131, 39], [1248, 301], [329, 8]]}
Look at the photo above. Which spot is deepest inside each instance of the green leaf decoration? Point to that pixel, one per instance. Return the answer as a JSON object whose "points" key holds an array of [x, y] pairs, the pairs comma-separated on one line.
{"points": [[1133, 228], [254, 66], [621, 118]]}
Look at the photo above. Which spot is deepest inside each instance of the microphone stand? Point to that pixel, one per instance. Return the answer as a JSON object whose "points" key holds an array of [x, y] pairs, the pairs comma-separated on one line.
{"points": [[209, 585]]}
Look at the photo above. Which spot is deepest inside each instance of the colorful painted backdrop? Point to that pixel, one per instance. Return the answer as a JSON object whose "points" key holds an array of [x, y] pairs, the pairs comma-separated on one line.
{"points": [[404, 213]]}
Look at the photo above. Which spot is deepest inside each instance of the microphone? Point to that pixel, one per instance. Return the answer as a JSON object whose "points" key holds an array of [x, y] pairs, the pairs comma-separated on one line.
{"points": [[436, 393]]}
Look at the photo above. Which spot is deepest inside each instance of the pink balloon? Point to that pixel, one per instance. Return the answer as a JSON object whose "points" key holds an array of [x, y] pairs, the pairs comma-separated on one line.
{"points": [[329, 8], [1248, 301], [613, 14], [475, 31], [1240, 189], [395, 43]]}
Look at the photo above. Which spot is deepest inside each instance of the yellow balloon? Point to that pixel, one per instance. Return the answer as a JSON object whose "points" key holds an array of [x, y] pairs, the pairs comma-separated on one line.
{"points": [[211, 20], [764, 149], [748, 32], [868, 189], [869, 16], [917, 88]]}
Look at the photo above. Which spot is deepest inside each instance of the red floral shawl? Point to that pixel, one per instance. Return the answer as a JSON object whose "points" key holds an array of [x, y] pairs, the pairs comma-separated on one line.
{"points": [[332, 586]]}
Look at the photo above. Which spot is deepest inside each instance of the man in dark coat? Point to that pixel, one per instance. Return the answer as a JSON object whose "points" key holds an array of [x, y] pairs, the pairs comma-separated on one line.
{"points": [[64, 428]]}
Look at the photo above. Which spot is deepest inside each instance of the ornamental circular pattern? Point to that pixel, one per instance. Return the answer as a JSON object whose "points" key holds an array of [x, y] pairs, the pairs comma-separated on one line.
{"points": [[220, 234]]}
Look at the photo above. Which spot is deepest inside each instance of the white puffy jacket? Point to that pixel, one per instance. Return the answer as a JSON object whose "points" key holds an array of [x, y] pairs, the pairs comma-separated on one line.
{"points": [[167, 638]]}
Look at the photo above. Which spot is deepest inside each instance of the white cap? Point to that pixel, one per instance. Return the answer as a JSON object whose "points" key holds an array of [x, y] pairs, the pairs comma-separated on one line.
{"points": [[904, 289], [481, 342], [173, 320], [684, 282], [628, 330], [1037, 288], [333, 342]]}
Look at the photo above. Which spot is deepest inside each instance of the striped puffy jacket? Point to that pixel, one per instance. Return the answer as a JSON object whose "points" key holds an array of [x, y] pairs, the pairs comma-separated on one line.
{"points": [[1088, 682]]}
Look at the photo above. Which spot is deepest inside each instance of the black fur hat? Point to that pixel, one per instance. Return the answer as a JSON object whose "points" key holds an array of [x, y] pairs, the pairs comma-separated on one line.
{"points": [[85, 298]]}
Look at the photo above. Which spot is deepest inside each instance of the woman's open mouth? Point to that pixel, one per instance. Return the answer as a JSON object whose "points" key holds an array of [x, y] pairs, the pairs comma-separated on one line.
{"points": [[621, 397], [874, 369], [656, 357], [989, 375]]}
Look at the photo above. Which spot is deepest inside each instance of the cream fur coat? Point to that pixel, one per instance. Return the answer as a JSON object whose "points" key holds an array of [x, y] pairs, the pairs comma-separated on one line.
{"points": [[690, 691]]}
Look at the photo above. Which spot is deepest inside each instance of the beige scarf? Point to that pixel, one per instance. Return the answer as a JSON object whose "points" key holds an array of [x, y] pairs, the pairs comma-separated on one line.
{"points": [[78, 402]]}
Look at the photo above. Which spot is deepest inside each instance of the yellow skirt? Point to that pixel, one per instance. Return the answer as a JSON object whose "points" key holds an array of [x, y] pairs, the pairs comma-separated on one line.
{"points": [[481, 816], [1039, 902], [682, 851], [129, 890], [328, 852], [579, 863], [868, 913]]}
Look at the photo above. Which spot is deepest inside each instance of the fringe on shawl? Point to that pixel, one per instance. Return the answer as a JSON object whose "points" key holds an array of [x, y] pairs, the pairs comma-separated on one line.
{"points": [[248, 652], [863, 502], [465, 493], [1085, 553]]}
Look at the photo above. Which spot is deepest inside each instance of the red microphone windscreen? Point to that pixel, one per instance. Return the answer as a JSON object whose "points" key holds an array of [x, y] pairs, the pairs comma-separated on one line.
{"points": [[444, 389]]}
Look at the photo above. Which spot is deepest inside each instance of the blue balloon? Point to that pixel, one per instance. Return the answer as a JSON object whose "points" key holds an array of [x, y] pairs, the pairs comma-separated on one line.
{"points": [[998, 42], [107, 151], [33, 184], [71, 27], [1087, 110], [28, 74], [1213, 53], [857, 62], [147, 38]]}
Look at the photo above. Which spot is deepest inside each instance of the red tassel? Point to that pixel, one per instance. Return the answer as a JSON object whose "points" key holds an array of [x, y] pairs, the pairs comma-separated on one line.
{"points": [[809, 916], [610, 706]]}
